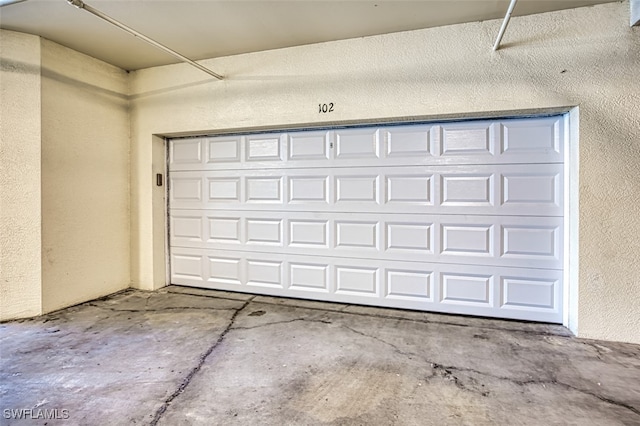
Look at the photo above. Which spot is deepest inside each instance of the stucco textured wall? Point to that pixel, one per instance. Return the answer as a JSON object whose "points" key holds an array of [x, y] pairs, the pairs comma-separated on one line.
{"points": [[64, 186], [20, 238], [85, 178], [587, 57]]}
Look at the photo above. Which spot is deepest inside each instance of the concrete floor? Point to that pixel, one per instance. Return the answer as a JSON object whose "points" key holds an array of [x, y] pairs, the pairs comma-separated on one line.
{"points": [[185, 356]]}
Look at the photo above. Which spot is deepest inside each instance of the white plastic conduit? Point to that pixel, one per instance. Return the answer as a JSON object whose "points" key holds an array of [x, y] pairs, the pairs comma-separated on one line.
{"points": [[505, 22], [82, 5]]}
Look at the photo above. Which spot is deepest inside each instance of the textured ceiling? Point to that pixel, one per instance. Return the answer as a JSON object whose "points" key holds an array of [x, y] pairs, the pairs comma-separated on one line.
{"points": [[212, 28]]}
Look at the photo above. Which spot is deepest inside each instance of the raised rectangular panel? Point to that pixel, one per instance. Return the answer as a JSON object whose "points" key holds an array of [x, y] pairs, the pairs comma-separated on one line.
{"points": [[467, 239], [224, 189], [263, 148], [528, 136], [264, 189], [224, 270], [528, 293], [467, 140], [221, 150], [308, 188], [466, 289], [183, 265], [413, 142], [531, 188], [308, 146], [357, 234], [409, 284], [264, 273], [409, 236], [224, 229], [360, 188], [308, 233], [410, 189], [358, 280], [357, 143], [186, 152], [307, 276], [264, 231], [186, 189], [187, 227], [524, 241], [459, 190]]}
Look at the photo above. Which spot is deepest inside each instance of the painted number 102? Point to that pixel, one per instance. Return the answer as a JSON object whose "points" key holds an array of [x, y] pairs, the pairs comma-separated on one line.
{"points": [[325, 108]]}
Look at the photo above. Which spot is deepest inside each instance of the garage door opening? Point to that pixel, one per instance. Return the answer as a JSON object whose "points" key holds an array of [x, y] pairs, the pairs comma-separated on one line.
{"points": [[457, 217]]}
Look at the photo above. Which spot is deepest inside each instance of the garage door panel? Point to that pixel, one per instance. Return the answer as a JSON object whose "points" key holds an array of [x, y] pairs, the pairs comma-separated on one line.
{"points": [[523, 190], [187, 267], [186, 155], [512, 141], [219, 189], [308, 233], [306, 276], [466, 289], [222, 150], [541, 188], [409, 235], [409, 285], [475, 139], [530, 242], [264, 189], [350, 234], [264, 273], [467, 240], [357, 144], [356, 189], [359, 281], [309, 189], [524, 293], [410, 143], [309, 146], [225, 269], [263, 232], [187, 228], [542, 241], [467, 190], [414, 189], [471, 289], [186, 190], [532, 136], [264, 148], [222, 230]]}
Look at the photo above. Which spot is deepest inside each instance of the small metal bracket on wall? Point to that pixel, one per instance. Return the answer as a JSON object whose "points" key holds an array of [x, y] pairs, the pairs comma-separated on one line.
{"points": [[158, 179]]}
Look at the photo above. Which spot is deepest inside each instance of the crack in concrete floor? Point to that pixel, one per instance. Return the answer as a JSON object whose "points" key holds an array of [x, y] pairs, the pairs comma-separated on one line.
{"points": [[447, 372], [196, 369]]}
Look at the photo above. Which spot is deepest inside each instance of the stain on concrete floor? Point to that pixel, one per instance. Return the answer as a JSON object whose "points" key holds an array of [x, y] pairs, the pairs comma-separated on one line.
{"points": [[184, 356]]}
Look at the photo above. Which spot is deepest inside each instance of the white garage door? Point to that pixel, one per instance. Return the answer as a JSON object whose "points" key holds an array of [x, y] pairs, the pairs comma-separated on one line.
{"points": [[449, 217]]}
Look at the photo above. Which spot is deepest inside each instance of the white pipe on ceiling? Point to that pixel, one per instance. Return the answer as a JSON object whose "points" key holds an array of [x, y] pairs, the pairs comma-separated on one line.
{"points": [[82, 5], [4, 3], [505, 22]]}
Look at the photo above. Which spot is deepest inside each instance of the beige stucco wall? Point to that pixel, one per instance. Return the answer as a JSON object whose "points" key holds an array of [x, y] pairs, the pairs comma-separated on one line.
{"points": [[85, 178], [64, 185], [587, 57], [20, 238]]}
